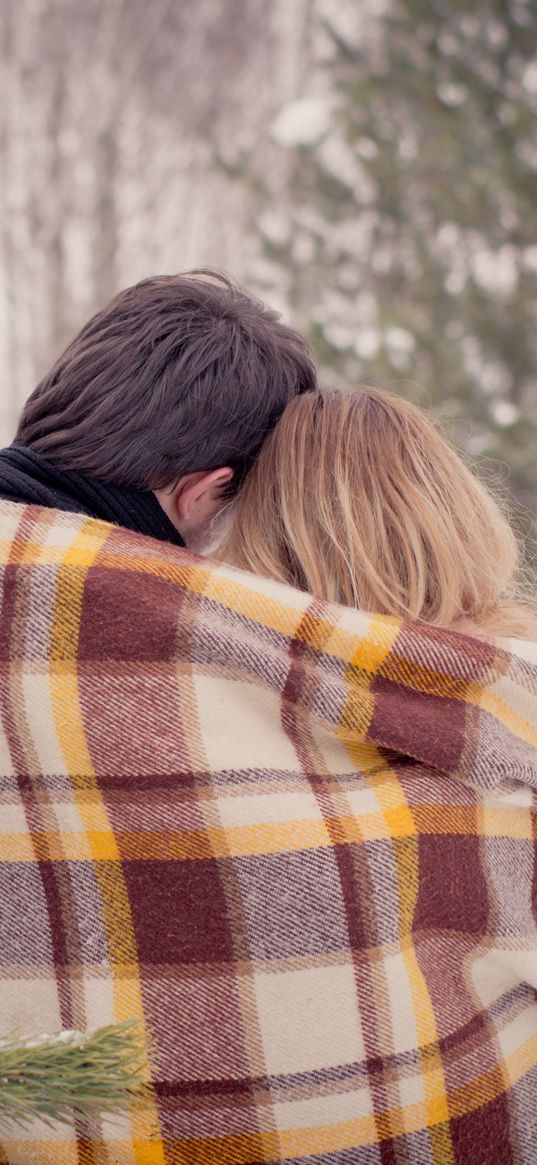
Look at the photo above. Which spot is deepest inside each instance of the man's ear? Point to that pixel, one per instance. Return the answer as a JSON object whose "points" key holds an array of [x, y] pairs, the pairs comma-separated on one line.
{"points": [[197, 495], [194, 500]]}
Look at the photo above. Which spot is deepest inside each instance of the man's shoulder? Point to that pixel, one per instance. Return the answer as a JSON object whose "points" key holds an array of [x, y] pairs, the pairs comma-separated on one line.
{"points": [[132, 567], [123, 590], [38, 535]]}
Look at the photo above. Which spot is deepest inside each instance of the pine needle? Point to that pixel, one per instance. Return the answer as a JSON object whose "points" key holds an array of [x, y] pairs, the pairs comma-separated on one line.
{"points": [[57, 1077]]}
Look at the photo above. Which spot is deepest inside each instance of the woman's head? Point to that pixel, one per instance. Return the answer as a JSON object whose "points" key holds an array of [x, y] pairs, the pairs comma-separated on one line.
{"points": [[358, 498]]}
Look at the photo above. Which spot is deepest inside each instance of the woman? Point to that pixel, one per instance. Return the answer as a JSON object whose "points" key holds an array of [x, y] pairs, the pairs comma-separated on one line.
{"points": [[359, 499]]}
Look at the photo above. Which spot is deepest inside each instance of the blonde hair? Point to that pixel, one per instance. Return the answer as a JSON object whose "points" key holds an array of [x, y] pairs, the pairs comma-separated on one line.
{"points": [[359, 499]]}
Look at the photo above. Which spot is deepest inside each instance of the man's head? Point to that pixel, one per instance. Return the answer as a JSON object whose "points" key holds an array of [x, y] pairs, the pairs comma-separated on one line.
{"points": [[172, 387]]}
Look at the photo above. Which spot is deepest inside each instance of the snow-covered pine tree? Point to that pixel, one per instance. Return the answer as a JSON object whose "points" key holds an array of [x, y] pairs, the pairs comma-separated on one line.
{"points": [[407, 233]]}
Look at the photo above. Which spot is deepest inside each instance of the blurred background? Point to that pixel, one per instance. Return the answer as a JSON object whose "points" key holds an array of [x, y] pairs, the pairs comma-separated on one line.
{"points": [[369, 167]]}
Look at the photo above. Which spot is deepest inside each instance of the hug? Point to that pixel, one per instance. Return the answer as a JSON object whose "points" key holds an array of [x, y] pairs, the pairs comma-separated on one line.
{"points": [[268, 753]]}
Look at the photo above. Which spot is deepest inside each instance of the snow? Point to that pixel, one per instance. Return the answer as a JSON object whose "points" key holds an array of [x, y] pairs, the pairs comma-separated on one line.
{"points": [[496, 34], [529, 78], [529, 255], [341, 336], [496, 271], [274, 225], [400, 340], [367, 343], [448, 234], [303, 122], [345, 19], [495, 380], [504, 413], [303, 248], [451, 94], [340, 160]]}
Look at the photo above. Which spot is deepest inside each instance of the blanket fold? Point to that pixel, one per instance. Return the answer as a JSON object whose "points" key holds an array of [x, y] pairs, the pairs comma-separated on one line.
{"points": [[297, 841]]}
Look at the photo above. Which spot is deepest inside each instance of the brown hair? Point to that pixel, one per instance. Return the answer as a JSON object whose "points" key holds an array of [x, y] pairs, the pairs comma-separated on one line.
{"points": [[358, 498], [177, 374]]}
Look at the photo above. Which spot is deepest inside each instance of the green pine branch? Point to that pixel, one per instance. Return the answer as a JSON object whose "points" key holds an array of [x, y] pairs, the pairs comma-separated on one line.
{"points": [[56, 1077]]}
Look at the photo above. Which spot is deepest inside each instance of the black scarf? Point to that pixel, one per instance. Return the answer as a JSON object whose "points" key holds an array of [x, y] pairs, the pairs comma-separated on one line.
{"points": [[26, 476]]}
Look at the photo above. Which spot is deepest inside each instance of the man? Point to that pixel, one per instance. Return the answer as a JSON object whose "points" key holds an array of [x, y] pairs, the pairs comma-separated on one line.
{"points": [[155, 410]]}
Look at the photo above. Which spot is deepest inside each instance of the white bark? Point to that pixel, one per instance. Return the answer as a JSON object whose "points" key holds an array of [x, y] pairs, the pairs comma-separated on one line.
{"points": [[123, 126]]}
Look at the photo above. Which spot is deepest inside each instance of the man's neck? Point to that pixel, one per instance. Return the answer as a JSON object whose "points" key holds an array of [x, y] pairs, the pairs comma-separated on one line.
{"points": [[26, 476]]}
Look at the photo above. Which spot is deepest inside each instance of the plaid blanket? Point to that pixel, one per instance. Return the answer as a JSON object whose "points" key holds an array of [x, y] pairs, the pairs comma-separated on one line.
{"points": [[296, 839]]}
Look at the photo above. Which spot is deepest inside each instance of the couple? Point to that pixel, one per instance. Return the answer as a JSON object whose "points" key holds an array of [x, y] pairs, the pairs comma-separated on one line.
{"points": [[288, 826]]}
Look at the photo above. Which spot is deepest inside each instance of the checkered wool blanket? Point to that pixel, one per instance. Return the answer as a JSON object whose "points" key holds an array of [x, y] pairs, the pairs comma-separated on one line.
{"points": [[297, 839]]}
